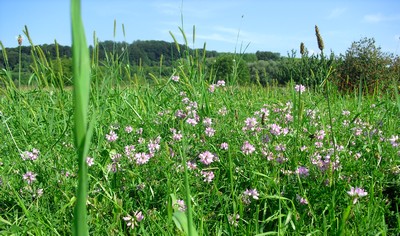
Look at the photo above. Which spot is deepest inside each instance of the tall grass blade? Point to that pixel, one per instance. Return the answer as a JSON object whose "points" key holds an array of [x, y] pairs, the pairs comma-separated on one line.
{"points": [[396, 93], [81, 79]]}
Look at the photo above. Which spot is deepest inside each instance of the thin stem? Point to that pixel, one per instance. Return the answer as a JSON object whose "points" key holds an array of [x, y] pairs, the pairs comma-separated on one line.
{"points": [[19, 68], [187, 188]]}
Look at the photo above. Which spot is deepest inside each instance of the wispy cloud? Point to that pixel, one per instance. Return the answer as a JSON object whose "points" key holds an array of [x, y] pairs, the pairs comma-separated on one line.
{"points": [[215, 37], [336, 13], [167, 8], [379, 17], [233, 36]]}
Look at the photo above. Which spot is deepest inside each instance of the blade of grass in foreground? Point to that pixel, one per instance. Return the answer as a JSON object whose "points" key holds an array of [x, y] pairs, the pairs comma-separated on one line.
{"points": [[81, 80]]}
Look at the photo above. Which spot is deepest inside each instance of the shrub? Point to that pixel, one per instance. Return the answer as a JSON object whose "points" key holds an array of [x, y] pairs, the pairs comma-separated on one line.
{"points": [[364, 64], [263, 72], [231, 68]]}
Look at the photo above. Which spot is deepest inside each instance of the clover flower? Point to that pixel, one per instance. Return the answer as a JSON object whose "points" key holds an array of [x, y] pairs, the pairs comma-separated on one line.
{"points": [[209, 131], [207, 158], [234, 219], [128, 129], [247, 148], [302, 171], [112, 136], [89, 161], [33, 155], [224, 146], [29, 177], [180, 204], [220, 83], [300, 88], [251, 123], [175, 78], [208, 176], [301, 200], [275, 129], [132, 221], [252, 193], [141, 158], [357, 193]]}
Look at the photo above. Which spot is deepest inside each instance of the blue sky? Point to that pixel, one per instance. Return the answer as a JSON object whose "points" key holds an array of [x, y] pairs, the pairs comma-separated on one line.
{"points": [[277, 26]]}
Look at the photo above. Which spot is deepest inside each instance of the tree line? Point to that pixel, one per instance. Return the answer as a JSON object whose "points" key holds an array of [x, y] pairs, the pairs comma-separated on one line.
{"points": [[263, 67]]}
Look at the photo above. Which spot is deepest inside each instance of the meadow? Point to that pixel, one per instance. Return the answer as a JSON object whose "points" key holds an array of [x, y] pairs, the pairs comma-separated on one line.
{"points": [[186, 155]]}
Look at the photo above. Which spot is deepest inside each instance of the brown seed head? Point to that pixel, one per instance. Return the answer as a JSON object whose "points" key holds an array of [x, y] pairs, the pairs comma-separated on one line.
{"points": [[319, 39], [19, 40], [302, 48]]}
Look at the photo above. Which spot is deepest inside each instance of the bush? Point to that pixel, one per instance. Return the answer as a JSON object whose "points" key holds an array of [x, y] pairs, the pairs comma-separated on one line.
{"points": [[231, 68], [364, 64], [263, 72]]}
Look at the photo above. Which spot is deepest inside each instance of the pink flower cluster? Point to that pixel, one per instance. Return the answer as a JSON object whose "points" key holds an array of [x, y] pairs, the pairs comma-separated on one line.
{"points": [[33, 155], [249, 194], [357, 193], [207, 158], [133, 221]]}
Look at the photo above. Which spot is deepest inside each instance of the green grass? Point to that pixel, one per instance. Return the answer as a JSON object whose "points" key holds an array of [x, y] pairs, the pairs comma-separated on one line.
{"points": [[43, 119], [138, 181], [82, 133]]}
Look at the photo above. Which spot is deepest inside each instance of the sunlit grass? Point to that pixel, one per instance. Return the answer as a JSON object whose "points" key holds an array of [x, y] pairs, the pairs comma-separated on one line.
{"points": [[183, 155], [82, 133]]}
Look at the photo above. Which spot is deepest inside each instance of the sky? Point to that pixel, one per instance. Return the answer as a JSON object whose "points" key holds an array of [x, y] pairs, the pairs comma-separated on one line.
{"points": [[224, 25]]}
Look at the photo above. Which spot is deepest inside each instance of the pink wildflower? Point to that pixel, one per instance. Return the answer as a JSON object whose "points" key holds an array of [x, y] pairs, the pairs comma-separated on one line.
{"points": [[89, 161], [357, 193], [252, 193], [206, 157], [131, 222], [177, 136], [128, 129], [251, 123], [247, 148], [208, 176], [345, 113], [221, 83], [320, 135], [275, 129], [33, 155], [207, 122], [191, 121], [302, 171], [210, 131], [224, 146], [300, 88], [175, 78], [180, 204], [191, 165], [211, 88], [393, 140], [29, 177], [142, 158], [112, 136], [302, 200]]}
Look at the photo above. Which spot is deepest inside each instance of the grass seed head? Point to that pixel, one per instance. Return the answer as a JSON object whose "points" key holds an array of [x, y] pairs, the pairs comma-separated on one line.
{"points": [[302, 48], [319, 39]]}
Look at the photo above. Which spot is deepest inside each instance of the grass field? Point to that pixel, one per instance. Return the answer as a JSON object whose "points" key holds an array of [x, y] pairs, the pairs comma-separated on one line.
{"points": [[258, 160], [182, 155]]}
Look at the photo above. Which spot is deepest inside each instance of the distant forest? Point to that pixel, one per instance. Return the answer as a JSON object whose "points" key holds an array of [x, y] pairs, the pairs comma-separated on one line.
{"points": [[148, 55]]}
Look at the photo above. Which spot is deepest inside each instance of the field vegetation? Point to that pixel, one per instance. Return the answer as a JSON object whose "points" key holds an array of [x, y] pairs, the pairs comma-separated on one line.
{"points": [[203, 144]]}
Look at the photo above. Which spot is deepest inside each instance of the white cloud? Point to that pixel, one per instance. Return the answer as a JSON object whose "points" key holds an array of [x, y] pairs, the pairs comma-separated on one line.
{"points": [[378, 17], [167, 8], [336, 13], [373, 18], [216, 37]]}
